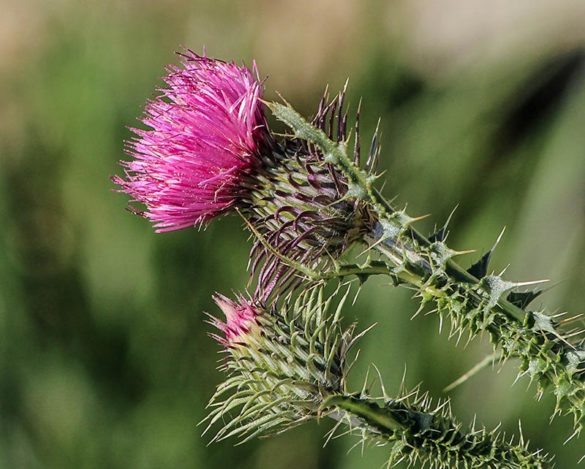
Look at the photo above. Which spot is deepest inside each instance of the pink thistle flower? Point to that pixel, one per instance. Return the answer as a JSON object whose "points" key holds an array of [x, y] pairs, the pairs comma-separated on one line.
{"points": [[207, 130], [240, 319]]}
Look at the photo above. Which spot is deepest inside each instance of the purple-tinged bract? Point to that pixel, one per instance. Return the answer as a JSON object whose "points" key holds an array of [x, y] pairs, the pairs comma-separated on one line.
{"points": [[207, 130], [240, 319]]}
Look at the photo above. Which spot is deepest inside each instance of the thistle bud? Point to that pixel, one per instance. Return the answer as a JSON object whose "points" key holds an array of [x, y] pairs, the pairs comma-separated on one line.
{"points": [[281, 364], [240, 320]]}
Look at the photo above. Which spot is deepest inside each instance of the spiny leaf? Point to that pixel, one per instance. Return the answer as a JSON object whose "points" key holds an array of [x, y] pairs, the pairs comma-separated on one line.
{"points": [[438, 235], [523, 299], [480, 268]]}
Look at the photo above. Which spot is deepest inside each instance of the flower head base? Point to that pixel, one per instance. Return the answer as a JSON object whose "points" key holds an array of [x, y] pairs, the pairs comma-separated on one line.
{"points": [[240, 319], [207, 128], [308, 214]]}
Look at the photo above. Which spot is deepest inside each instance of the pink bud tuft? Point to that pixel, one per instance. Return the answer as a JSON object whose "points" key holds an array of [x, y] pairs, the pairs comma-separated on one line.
{"points": [[240, 319]]}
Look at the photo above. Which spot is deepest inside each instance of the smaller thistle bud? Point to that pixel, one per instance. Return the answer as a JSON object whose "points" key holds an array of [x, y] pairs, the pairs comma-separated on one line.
{"points": [[281, 364]]}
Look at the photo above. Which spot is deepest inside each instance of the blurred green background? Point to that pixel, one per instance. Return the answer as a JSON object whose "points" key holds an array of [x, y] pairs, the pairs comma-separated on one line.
{"points": [[105, 360]]}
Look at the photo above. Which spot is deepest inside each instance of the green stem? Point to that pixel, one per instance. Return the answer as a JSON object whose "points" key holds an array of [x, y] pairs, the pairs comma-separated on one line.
{"points": [[485, 362], [370, 412], [346, 270]]}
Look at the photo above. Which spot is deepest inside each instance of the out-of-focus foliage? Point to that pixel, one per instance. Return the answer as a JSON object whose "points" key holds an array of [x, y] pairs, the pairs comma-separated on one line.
{"points": [[103, 349]]}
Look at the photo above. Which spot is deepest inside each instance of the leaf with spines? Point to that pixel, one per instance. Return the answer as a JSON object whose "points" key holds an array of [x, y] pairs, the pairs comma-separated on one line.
{"points": [[523, 299], [480, 268], [440, 235]]}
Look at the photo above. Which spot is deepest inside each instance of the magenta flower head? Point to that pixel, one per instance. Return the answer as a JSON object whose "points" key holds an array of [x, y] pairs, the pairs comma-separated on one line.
{"points": [[206, 132], [241, 318], [208, 149]]}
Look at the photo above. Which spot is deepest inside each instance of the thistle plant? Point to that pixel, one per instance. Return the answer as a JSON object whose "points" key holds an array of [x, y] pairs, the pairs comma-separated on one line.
{"points": [[306, 198]]}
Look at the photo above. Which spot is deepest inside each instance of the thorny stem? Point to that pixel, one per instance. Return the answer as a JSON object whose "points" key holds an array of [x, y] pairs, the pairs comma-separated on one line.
{"points": [[452, 269], [435, 435], [335, 153], [473, 303]]}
